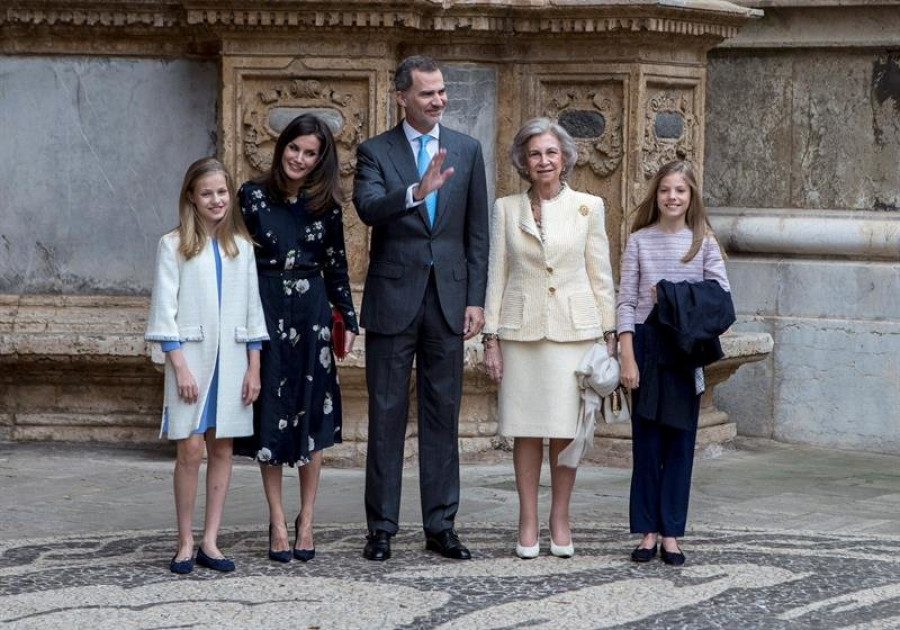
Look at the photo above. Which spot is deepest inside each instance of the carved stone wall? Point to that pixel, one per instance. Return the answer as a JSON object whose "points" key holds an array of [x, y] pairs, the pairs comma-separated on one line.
{"points": [[628, 80]]}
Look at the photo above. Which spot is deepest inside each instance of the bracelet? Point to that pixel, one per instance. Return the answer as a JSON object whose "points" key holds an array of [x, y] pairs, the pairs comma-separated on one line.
{"points": [[608, 333], [487, 337]]}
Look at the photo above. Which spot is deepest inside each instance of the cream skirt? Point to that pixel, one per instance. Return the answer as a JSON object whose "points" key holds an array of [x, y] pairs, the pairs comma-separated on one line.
{"points": [[539, 396]]}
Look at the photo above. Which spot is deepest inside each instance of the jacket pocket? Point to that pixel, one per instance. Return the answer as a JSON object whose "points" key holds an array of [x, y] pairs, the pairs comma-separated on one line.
{"points": [[384, 269], [190, 333], [584, 311], [512, 311]]}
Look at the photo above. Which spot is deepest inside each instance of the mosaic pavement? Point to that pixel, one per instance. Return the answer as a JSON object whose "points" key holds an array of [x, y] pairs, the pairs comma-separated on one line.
{"points": [[733, 579]]}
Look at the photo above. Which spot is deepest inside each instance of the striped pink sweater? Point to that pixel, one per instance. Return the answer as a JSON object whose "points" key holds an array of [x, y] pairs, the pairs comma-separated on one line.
{"points": [[653, 255]]}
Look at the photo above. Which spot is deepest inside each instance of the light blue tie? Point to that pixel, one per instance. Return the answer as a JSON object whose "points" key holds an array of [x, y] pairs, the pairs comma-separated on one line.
{"points": [[422, 163]]}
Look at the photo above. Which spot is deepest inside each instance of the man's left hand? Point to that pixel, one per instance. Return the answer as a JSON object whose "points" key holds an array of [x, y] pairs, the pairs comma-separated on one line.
{"points": [[474, 321]]}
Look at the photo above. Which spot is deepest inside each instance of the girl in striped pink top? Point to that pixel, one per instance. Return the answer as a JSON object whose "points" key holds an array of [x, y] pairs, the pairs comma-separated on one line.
{"points": [[671, 240]]}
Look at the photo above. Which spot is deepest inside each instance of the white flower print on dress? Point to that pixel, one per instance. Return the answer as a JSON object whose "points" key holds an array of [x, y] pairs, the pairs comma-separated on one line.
{"points": [[328, 407], [315, 231], [282, 424], [257, 194], [301, 286], [264, 455], [312, 444], [325, 357], [293, 336], [290, 258]]}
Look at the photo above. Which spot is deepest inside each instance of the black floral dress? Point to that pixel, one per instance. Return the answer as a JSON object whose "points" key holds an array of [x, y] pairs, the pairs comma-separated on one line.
{"points": [[302, 269]]}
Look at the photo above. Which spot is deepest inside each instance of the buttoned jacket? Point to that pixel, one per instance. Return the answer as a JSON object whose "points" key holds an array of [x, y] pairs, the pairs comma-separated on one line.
{"points": [[550, 283], [185, 307], [404, 248]]}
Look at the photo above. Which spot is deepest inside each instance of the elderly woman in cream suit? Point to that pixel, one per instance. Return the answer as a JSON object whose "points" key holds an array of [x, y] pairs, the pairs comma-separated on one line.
{"points": [[550, 296]]}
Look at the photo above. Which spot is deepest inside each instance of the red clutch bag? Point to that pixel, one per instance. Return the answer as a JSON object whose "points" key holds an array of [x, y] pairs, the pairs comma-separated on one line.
{"points": [[338, 334]]}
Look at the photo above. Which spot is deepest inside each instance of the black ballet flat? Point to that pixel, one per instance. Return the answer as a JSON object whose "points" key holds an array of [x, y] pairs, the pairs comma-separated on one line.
{"points": [[675, 559], [277, 556], [644, 555]]}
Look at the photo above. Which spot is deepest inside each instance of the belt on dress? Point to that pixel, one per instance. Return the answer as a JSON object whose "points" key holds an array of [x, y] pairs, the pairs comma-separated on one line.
{"points": [[290, 273]]}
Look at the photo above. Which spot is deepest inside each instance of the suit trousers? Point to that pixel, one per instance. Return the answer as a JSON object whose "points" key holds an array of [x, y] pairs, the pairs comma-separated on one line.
{"points": [[438, 353], [663, 459]]}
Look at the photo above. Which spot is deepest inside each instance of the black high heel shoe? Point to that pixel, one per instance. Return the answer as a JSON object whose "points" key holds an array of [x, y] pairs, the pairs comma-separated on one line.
{"points": [[304, 555], [277, 556]]}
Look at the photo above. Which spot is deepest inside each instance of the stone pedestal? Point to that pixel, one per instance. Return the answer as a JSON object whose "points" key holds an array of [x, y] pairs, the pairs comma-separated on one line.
{"points": [[612, 444]]}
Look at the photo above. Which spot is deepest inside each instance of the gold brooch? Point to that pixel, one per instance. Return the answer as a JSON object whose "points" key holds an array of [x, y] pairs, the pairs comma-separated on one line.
{"points": [[584, 210]]}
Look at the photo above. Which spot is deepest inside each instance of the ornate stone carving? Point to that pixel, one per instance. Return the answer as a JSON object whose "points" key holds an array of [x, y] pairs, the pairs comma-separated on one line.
{"points": [[710, 20], [259, 137], [670, 127], [601, 153]]}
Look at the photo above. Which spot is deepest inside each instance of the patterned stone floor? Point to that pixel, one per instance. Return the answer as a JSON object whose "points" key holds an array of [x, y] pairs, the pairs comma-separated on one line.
{"points": [[733, 579]]}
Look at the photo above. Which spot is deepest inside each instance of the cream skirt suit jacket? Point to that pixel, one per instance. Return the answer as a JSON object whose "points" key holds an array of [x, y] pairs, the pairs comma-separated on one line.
{"points": [[550, 295], [185, 307]]}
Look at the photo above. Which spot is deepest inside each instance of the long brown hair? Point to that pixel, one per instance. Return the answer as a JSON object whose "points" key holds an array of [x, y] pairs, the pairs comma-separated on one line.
{"points": [[696, 217], [322, 187], [191, 233]]}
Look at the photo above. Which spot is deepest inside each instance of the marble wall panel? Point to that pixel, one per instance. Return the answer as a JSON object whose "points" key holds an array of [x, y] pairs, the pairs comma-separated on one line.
{"points": [[472, 109], [833, 378], [803, 129], [748, 124], [94, 152]]}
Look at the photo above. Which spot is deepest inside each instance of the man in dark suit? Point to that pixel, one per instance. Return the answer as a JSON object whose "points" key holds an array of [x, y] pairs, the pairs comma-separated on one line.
{"points": [[421, 188]]}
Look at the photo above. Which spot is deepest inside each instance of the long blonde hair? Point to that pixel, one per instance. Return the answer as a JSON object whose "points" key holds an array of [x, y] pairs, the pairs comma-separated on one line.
{"points": [[696, 217], [191, 234]]}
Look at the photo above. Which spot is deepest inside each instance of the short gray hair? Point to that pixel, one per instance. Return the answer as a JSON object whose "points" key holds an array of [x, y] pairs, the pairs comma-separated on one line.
{"points": [[403, 73], [536, 127]]}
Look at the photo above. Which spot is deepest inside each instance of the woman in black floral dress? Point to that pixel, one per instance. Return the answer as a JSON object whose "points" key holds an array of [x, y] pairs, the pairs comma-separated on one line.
{"points": [[294, 216]]}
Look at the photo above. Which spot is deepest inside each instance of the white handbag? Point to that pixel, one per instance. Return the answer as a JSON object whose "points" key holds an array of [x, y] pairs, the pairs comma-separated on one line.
{"points": [[598, 378]]}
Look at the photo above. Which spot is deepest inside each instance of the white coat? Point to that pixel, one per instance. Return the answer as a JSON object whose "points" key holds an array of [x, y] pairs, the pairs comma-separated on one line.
{"points": [[185, 307]]}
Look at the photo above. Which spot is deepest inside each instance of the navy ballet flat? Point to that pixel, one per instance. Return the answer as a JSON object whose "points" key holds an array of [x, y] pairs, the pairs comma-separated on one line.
{"points": [[181, 567], [216, 564]]}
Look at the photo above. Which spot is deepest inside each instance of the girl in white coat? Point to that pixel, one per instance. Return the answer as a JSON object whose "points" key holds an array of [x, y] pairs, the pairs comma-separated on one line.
{"points": [[206, 313]]}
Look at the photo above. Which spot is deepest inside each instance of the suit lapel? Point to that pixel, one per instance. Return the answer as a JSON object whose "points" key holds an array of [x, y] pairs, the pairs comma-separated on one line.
{"points": [[526, 218], [401, 156]]}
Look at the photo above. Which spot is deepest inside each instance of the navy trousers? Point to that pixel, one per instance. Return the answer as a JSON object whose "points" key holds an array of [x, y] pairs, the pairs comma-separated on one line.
{"points": [[438, 353], [660, 478]]}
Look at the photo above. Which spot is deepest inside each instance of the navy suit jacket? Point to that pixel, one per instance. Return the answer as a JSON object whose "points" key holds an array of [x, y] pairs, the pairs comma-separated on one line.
{"points": [[404, 247]]}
